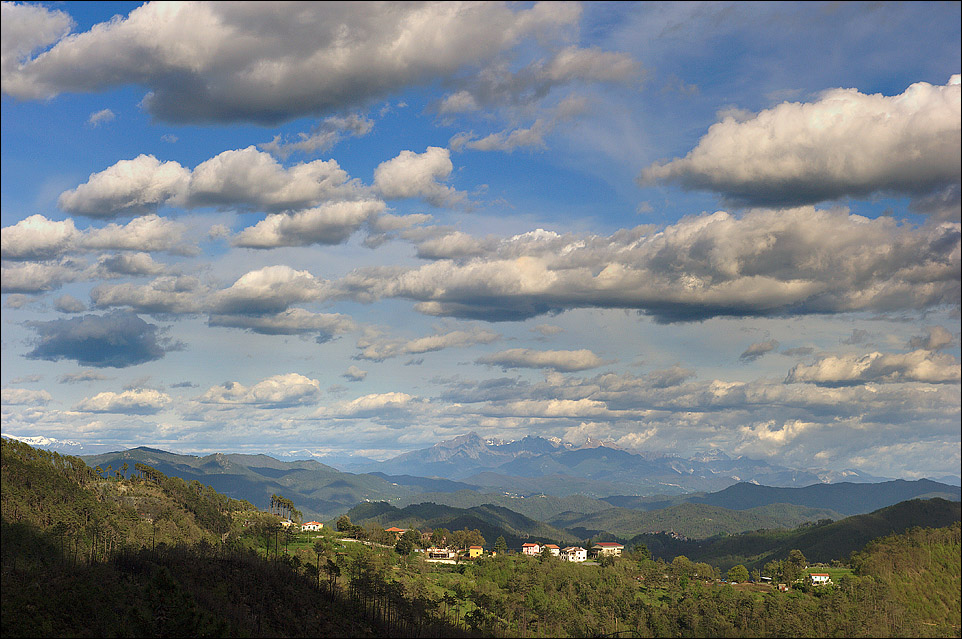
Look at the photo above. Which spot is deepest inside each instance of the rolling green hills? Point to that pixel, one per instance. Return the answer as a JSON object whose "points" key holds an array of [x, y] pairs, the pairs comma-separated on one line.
{"points": [[539, 507], [491, 520], [697, 521], [319, 491], [819, 543]]}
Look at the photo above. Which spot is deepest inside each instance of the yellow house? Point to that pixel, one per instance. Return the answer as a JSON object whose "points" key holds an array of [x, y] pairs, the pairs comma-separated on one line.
{"points": [[475, 551]]}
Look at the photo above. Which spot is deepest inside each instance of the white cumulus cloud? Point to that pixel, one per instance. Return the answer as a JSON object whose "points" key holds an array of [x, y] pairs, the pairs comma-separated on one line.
{"points": [[278, 391], [916, 366], [563, 361], [129, 402], [413, 174], [26, 397], [845, 144]]}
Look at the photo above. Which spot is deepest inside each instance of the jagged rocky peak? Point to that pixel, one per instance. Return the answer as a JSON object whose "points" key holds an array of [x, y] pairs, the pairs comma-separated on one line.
{"points": [[471, 439], [599, 443], [711, 455]]}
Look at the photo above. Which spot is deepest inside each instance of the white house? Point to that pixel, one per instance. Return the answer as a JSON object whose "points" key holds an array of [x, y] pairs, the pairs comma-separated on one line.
{"points": [[312, 525], [821, 578], [574, 553], [531, 549], [441, 553], [612, 548], [553, 549]]}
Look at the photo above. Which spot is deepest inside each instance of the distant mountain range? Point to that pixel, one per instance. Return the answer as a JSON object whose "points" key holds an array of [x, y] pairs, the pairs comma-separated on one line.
{"points": [[573, 478], [537, 464], [62, 446], [845, 498]]}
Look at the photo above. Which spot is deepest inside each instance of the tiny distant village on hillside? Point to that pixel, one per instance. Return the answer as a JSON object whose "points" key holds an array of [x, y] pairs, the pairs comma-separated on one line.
{"points": [[443, 546]]}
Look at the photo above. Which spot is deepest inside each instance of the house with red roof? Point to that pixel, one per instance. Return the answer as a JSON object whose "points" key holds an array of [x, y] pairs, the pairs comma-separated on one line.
{"points": [[397, 532], [609, 548], [531, 549]]}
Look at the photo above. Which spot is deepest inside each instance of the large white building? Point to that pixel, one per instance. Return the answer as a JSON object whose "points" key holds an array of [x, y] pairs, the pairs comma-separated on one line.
{"points": [[612, 548], [574, 553]]}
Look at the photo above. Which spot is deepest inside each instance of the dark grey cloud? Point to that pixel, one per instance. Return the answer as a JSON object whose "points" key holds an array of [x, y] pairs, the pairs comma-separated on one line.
{"points": [[669, 377], [354, 374], [936, 338], [758, 349], [67, 303], [82, 376], [858, 336], [118, 339], [798, 351]]}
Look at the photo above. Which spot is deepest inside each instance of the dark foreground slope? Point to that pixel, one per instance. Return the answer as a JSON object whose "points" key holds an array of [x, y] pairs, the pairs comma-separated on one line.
{"points": [[83, 556], [178, 591]]}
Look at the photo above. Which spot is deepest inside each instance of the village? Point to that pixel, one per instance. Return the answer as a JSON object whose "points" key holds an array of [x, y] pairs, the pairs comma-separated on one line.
{"points": [[442, 546], [570, 553], [437, 549]]}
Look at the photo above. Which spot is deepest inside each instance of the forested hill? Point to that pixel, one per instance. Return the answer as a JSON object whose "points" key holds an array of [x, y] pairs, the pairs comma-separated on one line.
{"points": [[320, 491], [53, 492], [697, 521], [922, 570], [86, 556], [492, 521], [819, 543]]}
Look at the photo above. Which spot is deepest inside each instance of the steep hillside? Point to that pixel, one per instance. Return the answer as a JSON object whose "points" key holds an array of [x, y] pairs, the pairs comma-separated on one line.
{"points": [[60, 493], [84, 556], [923, 571]]}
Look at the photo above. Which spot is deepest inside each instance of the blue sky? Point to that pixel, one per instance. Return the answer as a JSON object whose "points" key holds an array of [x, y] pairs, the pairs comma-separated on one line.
{"points": [[361, 227]]}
